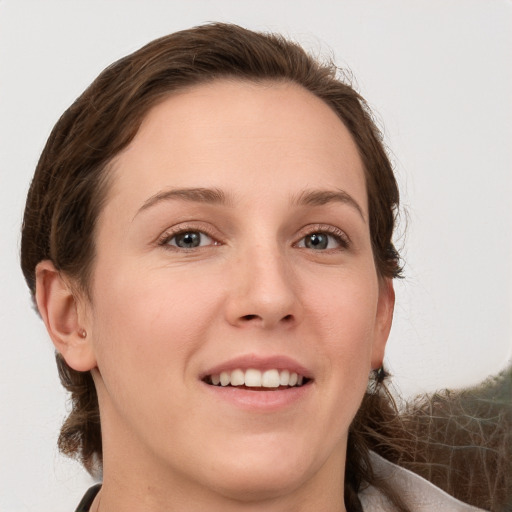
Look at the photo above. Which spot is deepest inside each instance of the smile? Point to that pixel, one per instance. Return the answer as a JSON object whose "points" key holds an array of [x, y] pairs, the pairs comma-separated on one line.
{"points": [[257, 379]]}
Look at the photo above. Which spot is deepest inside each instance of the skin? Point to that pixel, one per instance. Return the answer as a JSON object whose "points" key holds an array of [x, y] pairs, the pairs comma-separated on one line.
{"points": [[160, 315]]}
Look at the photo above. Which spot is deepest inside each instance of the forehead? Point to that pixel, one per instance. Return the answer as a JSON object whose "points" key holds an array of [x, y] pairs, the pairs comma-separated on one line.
{"points": [[243, 136]]}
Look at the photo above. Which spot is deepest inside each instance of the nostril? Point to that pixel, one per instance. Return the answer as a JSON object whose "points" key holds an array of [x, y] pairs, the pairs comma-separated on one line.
{"points": [[287, 318], [249, 317]]}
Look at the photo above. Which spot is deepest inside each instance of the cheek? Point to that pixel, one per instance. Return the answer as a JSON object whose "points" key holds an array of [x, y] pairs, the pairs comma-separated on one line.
{"points": [[148, 325], [345, 311], [346, 303]]}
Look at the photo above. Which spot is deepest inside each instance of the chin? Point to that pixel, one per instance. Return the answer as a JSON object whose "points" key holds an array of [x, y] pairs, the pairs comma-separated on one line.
{"points": [[266, 473], [247, 483]]}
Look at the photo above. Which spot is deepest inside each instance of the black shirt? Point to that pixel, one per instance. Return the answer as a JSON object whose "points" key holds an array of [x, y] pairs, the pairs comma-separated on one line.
{"points": [[88, 498]]}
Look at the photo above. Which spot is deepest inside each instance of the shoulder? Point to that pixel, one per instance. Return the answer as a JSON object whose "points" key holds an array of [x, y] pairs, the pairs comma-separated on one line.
{"points": [[419, 494]]}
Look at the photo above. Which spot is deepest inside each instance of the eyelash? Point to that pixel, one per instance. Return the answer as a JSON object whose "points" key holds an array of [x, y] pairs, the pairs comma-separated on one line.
{"points": [[166, 237], [341, 238]]}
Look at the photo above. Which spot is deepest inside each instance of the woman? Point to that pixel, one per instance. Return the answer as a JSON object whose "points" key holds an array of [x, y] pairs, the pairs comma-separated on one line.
{"points": [[208, 238]]}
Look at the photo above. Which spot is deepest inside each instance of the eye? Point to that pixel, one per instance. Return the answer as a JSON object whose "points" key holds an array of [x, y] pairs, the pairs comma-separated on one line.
{"points": [[188, 240], [323, 240]]}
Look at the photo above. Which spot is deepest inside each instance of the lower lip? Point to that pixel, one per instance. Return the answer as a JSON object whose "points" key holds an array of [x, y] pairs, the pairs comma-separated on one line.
{"points": [[264, 401]]}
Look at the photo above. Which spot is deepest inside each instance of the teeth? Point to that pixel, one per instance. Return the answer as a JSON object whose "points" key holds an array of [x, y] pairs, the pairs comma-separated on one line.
{"points": [[270, 379], [284, 378], [255, 378], [225, 378], [237, 378]]}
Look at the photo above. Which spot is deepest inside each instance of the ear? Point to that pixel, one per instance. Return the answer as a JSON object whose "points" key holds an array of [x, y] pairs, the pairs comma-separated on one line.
{"points": [[383, 321], [62, 317]]}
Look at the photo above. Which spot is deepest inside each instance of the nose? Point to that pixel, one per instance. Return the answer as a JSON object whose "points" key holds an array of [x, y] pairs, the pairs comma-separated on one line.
{"points": [[264, 291]]}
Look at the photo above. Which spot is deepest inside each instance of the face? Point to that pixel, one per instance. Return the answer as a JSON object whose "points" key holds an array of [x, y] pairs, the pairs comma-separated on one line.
{"points": [[234, 246]]}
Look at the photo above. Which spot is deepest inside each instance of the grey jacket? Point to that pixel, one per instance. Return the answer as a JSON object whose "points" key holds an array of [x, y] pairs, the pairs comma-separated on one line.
{"points": [[419, 494]]}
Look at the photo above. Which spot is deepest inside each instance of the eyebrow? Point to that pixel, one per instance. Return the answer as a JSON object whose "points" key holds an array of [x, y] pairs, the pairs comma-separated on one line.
{"points": [[322, 197], [218, 197], [194, 195]]}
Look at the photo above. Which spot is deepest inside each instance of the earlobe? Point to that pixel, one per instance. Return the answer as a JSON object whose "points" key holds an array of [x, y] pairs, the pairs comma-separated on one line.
{"points": [[384, 319], [59, 310]]}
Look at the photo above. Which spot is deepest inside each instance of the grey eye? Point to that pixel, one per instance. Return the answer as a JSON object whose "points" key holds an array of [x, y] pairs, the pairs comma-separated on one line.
{"points": [[316, 241], [190, 240], [322, 240]]}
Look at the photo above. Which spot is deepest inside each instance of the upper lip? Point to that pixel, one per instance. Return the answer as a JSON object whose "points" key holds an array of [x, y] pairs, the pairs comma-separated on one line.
{"points": [[258, 362]]}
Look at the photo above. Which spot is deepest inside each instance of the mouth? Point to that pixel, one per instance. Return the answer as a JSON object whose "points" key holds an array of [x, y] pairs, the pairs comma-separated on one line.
{"points": [[257, 380]]}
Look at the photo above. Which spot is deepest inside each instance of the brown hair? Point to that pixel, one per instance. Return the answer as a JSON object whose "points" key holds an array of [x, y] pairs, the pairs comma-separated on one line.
{"points": [[71, 182]]}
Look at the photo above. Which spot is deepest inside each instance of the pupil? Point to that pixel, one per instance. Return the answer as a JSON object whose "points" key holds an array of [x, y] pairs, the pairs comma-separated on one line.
{"points": [[188, 240], [316, 241]]}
